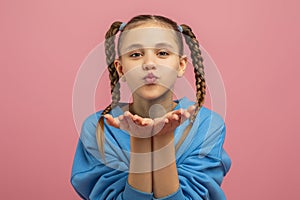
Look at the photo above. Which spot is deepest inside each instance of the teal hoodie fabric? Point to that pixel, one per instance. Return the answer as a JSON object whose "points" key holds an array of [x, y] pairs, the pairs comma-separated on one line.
{"points": [[201, 160]]}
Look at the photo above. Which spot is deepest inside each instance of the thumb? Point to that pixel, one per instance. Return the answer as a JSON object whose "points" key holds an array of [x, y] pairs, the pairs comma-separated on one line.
{"points": [[115, 122]]}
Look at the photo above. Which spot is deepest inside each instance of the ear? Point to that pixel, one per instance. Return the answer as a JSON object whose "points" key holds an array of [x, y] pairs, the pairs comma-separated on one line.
{"points": [[182, 66], [119, 68]]}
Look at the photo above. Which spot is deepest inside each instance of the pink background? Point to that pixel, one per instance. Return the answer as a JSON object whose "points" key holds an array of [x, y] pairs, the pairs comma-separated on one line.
{"points": [[255, 44]]}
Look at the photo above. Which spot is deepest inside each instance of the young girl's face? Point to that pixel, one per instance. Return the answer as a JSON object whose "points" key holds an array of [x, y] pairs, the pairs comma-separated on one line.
{"points": [[149, 60]]}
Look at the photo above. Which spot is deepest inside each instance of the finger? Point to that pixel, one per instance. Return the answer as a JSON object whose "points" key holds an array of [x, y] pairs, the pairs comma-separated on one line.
{"points": [[127, 117], [167, 120], [147, 121], [169, 115], [135, 117], [191, 109], [128, 114], [112, 121], [131, 123], [175, 117], [141, 121], [108, 117], [138, 120], [123, 122], [178, 112], [185, 116], [134, 120], [121, 117]]}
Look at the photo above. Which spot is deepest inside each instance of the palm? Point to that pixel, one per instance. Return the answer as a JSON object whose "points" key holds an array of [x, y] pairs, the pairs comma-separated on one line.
{"points": [[135, 125], [145, 127]]}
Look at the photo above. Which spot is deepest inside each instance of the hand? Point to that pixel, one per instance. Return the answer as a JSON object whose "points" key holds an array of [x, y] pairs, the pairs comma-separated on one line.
{"points": [[136, 126], [145, 127], [170, 121]]}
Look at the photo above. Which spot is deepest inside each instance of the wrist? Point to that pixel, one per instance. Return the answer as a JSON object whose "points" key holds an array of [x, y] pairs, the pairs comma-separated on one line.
{"points": [[160, 141], [140, 145], [140, 155]]}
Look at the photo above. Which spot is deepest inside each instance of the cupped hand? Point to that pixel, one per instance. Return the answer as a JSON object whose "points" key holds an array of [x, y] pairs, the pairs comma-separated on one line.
{"points": [[145, 127], [170, 121], [135, 125]]}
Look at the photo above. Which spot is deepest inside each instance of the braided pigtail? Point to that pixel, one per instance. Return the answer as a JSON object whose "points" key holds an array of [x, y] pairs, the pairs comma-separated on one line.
{"points": [[197, 61], [114, 83]]}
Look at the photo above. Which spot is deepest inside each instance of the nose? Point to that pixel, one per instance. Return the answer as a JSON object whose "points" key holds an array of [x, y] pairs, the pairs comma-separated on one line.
{"points": [[149, 66], [149, 62]]}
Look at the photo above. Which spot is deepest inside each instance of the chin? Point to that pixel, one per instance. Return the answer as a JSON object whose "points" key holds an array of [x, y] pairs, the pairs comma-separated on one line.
{"points": [[151, 92], [149, 96]]}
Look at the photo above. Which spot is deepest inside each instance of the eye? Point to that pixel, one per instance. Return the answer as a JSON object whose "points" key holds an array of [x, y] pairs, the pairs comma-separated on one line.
{"points": [[163, 53], [135, 54]]}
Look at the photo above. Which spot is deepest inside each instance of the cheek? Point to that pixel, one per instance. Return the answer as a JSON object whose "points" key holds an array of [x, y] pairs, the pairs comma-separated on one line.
{"points": [[170, 62], [171, 68], [133, 78], [168, 69], [131, 65], [168, 76]]}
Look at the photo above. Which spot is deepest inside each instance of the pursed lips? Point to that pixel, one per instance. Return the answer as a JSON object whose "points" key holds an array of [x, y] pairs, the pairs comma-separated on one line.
{"points": [[150, 78]]}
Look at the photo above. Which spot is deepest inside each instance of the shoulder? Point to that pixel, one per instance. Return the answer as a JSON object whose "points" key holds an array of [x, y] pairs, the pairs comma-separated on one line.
{"points": [[114, 138], [210, 129], [90, 123], [210, 118], [205, 115], [209, 124], [206, 136], [88, 133]]}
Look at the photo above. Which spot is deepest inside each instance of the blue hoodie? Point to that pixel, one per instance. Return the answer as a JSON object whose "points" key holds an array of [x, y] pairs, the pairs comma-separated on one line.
{"points": [[201, 160]]}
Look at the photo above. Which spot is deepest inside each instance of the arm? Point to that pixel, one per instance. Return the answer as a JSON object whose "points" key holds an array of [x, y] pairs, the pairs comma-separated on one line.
{"points": [[89, 177], [202, 164], [141, 163], [140, 175], [140, 171], [165, 176]]}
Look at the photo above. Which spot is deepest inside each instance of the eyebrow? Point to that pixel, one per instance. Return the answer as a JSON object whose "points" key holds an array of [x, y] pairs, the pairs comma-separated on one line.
{"points": [[158, 45]]}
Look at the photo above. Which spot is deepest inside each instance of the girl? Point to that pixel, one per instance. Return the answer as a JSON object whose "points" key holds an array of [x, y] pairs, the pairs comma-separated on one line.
{"points": [[154, 147]]}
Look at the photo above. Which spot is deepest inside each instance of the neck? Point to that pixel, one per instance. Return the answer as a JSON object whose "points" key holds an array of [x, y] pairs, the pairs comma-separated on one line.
{"points": [[152, 108]]}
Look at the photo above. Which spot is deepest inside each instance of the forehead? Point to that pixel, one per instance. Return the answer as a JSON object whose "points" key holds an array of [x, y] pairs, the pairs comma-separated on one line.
{"points": [[148, 37]]}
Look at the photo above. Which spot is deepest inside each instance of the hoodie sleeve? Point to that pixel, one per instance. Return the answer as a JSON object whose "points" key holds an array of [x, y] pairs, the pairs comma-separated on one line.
{"points": [[92, 179], [201, 177], [204, 163]]}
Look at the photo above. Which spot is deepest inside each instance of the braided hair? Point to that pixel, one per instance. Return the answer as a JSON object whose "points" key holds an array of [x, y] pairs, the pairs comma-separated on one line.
{"points": [[114, 82], [197, 61], [110, 52]]}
